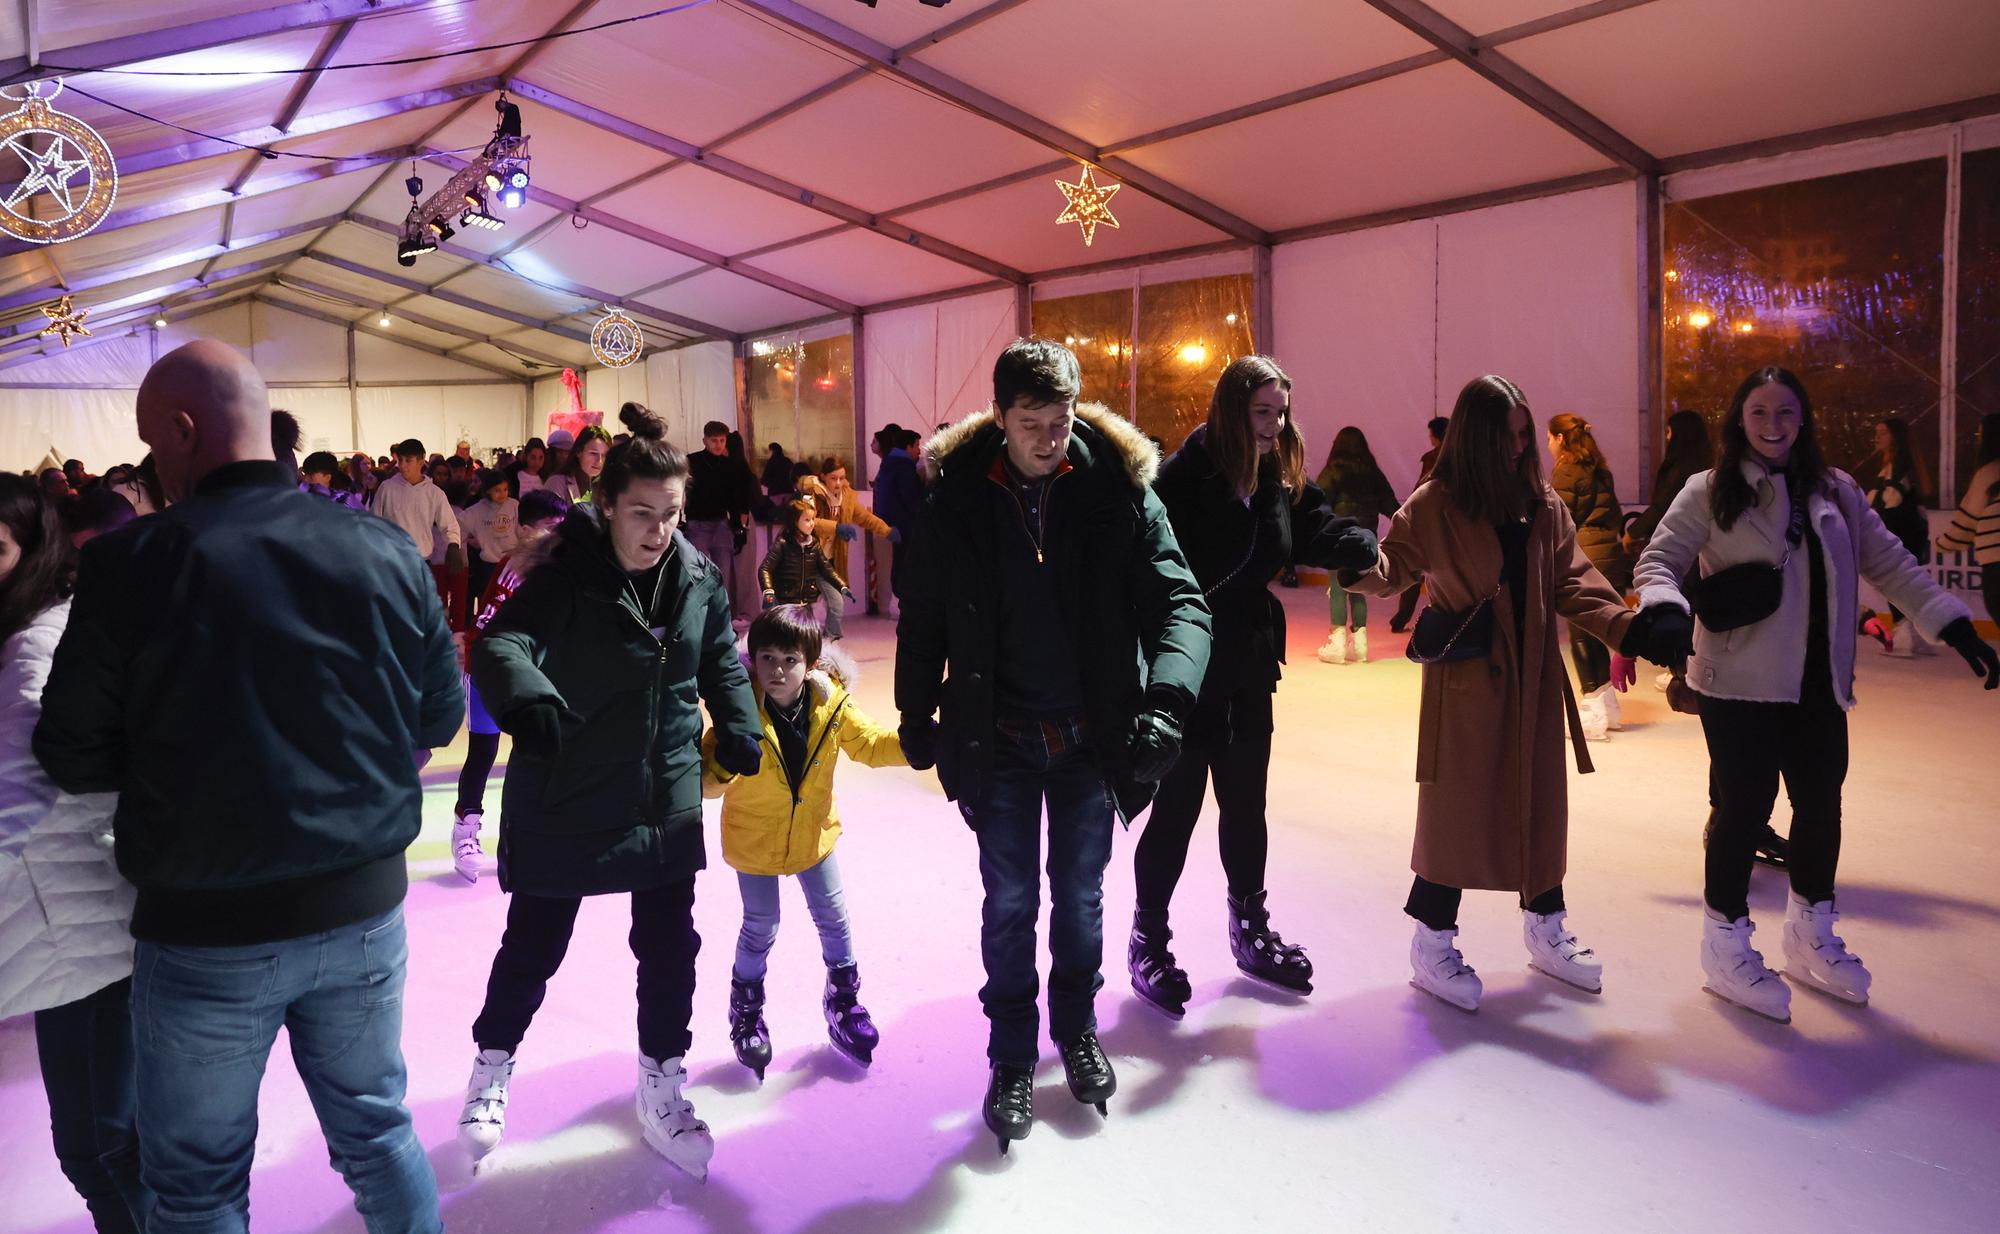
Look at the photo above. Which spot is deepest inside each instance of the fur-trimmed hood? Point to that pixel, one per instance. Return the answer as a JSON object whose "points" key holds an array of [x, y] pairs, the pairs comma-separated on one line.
{"points": [[1101, 432]]}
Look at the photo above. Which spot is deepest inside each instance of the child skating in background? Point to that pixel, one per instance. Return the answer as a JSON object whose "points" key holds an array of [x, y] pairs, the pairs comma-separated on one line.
{"points": [[795, 566], [783, 821]]}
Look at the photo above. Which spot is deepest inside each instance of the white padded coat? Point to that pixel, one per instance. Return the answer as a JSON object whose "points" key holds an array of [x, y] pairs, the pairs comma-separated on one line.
{"points": [[65, 913]]}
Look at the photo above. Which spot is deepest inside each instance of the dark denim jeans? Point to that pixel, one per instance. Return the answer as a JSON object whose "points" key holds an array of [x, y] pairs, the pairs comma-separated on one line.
{"points": [[1081, 814], [204, 1020], [85, 1049]]}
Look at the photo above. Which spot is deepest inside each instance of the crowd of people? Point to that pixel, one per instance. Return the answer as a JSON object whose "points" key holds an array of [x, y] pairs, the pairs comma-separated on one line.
{"points": [[1084, 630]]}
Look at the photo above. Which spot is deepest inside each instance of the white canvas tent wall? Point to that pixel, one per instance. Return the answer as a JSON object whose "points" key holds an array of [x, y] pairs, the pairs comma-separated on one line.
{"points": [[1422, 192]]}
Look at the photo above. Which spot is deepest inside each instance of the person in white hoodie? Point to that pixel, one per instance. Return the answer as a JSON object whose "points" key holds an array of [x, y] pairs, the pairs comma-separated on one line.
{"points": [[65, 949], [1782, 541], [411, 501]]}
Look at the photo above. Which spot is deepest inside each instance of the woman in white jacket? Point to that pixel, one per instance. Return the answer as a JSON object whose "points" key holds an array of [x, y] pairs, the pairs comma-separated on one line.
{"points": [[1776, 684], [65, 949]]}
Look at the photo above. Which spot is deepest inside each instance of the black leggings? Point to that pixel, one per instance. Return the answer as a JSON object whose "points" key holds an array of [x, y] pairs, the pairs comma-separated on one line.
{"points": [[1750, 747], [1230, 741], [480, 751], [1436, 905], [537, 936], [86, 1055]]}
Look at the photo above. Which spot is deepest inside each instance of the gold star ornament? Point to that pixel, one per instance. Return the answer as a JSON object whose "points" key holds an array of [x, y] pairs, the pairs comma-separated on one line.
{"points": [[64, 321], [1089, 205]]}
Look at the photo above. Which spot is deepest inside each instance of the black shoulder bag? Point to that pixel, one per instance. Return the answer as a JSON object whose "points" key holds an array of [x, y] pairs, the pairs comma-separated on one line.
{"points": [[1748, 592], [1444, 637]]}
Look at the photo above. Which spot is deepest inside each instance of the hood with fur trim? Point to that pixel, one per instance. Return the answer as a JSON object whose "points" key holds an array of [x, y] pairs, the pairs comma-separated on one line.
{"points": [[1098, 429]]}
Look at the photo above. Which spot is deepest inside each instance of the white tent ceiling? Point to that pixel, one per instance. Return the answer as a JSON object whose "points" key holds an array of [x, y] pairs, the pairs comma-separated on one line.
{"points": [[741, 166]]}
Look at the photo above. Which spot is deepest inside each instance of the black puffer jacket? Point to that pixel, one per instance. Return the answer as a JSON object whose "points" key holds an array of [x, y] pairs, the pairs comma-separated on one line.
{"points": [[619, 808], [1593, 505], [1138, 622], [1234, 550], [1356, 493], [792, 572]]}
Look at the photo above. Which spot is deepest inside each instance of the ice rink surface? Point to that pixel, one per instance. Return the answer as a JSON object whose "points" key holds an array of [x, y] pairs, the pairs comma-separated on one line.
{"points": [[1366, 1106]]}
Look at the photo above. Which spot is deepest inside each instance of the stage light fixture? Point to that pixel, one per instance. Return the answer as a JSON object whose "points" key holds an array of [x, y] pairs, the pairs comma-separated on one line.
{"points": [[493, 180], [499, 170], [383, 320]]}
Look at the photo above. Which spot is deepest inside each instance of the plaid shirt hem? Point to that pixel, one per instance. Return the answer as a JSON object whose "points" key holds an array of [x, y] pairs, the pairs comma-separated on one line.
{"points": [[1053, 737]]}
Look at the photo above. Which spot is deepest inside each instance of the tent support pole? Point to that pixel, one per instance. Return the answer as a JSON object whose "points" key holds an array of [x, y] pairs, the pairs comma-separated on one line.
{"points": [[353, 393], [1024, 310], [860, 349], [1260, 304], [1652, 331]]}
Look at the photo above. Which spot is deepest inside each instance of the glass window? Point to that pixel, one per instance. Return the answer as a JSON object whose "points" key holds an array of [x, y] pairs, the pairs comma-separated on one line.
{"points": [[1098, 328], [1188, 333], [1978, 310], [1839, 279], [802, 397]]}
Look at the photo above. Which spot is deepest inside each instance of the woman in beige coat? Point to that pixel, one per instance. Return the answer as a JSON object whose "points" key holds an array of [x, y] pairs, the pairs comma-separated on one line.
{"points": [[1496, 550]]}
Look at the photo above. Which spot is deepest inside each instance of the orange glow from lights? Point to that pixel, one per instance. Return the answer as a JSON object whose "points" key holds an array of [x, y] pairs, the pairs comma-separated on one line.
{"points": [[1700, 320], [1194, 353]]}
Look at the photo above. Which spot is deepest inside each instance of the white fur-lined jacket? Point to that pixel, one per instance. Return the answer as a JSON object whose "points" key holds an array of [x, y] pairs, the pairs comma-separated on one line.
{"points": [[1765, 662]]}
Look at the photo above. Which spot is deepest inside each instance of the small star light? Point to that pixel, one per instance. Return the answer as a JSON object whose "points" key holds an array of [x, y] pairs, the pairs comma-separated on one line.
{"points": [[64, 321], [1087, 205]]}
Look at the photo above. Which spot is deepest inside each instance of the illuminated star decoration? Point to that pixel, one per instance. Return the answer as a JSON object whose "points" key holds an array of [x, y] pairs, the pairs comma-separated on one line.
{"points": [[64, 320], [1088, 205], [47, 172]]}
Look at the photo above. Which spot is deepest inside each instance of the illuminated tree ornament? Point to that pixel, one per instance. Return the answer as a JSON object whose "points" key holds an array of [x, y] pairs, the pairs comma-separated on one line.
{"points": [[1088, 205], [53, 154], [617, 341], [64, 320]]}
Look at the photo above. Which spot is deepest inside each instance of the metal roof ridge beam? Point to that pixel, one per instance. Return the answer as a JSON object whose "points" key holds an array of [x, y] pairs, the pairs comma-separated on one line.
{"points": [[978, 102], [657, 239], [775, 185], [1557, 108]]}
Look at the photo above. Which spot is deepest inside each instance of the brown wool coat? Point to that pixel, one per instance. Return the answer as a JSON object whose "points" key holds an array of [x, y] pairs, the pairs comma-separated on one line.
{"points": [[1492, 773]]}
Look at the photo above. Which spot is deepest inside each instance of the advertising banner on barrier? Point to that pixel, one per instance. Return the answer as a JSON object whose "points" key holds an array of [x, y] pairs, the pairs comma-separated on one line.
{"points": [[1955, 572]]}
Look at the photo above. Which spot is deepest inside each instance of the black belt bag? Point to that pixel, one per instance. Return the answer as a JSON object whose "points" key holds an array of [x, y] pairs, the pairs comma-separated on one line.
{"points": [[1748, 592]]}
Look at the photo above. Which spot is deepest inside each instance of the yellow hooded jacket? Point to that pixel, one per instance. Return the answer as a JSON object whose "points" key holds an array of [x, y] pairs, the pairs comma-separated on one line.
{"points": [[766, 827]]}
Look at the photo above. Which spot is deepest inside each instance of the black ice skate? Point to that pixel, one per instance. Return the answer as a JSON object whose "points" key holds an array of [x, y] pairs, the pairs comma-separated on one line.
{"points": [[1091, 1079], [1010, 1104], [1260, 953], [1156, 979], [1773, 849], [746, 1026], [847, 1022]]}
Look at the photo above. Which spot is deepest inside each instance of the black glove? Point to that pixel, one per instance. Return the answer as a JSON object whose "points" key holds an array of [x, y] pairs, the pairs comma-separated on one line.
{"points": [[919, 738], [1156, 743], [1962, 638], [1661, 633], [536, 729], [1358, 549], [739, 755]]}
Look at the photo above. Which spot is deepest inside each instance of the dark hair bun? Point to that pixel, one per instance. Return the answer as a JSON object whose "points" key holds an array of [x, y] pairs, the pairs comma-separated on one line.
{"points": [[642, 421]]}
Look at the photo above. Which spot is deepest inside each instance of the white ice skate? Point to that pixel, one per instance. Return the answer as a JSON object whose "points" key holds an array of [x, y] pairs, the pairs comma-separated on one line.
{"points": [[467, 855], [1437, 968], [1608, 698], [1360, 655], [1817, 957], [484, 1118], [1553, 950], [1735, 970], [1334, 649], [1596, 725], [667, 1118]]}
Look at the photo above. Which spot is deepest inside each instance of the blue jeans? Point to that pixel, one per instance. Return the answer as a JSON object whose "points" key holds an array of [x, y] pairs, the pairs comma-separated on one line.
{"points": [[1009, 826], [824, 900], [836, 609], [204, 1020]]}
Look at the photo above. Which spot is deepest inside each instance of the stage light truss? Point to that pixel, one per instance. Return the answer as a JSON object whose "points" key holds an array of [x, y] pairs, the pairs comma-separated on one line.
{"points": [[497, 174]]}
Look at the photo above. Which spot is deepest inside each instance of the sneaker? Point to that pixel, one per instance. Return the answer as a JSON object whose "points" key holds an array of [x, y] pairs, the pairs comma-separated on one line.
{"points": [[1334, 649], [483, 1119], [1437, 968], [667, 1119], [1553, 950], [467, 855], [1360, 655], [1817, 957], [1735, 970]]}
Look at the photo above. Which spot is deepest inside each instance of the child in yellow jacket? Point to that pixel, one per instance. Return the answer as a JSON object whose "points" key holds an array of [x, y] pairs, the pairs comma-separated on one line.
{"points": [[782, 820]]}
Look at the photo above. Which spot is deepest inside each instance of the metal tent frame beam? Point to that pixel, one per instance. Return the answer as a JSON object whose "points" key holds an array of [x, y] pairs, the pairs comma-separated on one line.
{"points": [[291, 282], [777, 186], [153, 295], [703, 328], [37, 296], [192, 306], [199, 35], [449, 297], [367, 327], [944, 86], [1458, 43]]}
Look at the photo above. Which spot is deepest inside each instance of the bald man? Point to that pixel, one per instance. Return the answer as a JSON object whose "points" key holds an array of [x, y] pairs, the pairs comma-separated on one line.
{"points": [[251, 670]]}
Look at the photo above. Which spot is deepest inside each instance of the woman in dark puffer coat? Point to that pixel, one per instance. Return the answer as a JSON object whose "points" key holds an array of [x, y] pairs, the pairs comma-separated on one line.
{"points": [[1582, 481]]}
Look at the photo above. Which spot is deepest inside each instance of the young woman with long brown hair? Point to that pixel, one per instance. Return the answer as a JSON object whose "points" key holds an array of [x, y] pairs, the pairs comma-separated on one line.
{"points": [[1497, 552], [1241, 509]]}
